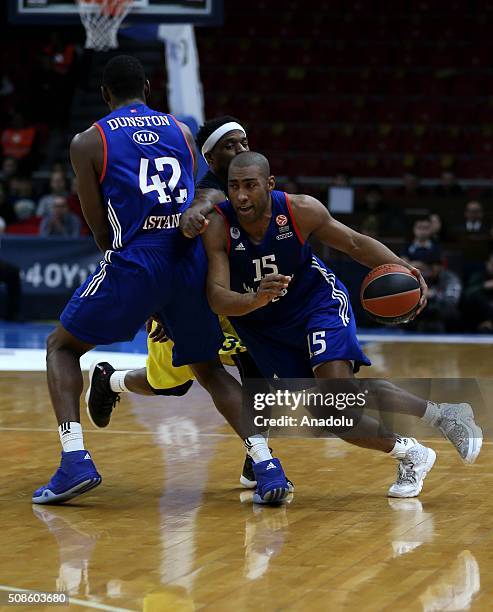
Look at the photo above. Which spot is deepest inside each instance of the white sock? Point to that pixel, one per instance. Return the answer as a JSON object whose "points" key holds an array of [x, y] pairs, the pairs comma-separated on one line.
{"points": [[117, 381], [432, 414], [257, 448], [402, 445], [71, 436]]}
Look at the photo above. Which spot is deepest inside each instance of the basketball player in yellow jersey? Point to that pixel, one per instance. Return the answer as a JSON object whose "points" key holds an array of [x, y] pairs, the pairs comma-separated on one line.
{"points": [[219, 141]]}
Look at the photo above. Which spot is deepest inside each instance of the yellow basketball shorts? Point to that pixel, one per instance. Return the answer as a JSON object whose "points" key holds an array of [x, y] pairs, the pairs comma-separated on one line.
{"points": [[162, 374]]}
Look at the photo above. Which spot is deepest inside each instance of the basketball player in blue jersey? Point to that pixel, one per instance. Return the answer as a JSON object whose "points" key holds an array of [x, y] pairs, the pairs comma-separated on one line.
{"points": [[294, 315], [135, 170], [219, 140]]}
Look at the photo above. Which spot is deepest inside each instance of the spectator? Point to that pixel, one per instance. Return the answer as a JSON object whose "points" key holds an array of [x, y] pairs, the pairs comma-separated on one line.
{"points": [[423, 248], [57, 79], [478, 298], [6, 208], [60, 221], [18, 140], [341, 179], [11, 277], [373, 200], [6, 87], [448, 187], [444, 292], [410, 186], [21, 189], [7, 91], [370, 207], [380, 219], [58, 187], [59, 55], [58, 166], [473, 237], [438, 231], [9, 170], [27, 222], [473, 219]]}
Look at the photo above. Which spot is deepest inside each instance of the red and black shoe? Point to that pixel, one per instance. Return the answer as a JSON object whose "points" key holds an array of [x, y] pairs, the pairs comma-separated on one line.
{"points": [[100, 399]]}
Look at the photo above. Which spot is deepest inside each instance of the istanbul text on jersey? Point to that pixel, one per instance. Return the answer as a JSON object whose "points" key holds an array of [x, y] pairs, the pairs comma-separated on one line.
{"points": [[162, 222]]}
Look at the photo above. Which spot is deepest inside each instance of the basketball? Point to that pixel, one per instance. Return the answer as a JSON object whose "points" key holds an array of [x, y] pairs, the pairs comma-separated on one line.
{"points": [[390, 294]]}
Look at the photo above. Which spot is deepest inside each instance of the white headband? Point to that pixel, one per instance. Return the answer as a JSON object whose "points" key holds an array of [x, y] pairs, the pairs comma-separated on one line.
{"points": [[216, 135]]}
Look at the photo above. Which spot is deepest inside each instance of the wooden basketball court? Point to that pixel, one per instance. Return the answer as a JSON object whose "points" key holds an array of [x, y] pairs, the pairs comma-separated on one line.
{"points": [[170, 529]]}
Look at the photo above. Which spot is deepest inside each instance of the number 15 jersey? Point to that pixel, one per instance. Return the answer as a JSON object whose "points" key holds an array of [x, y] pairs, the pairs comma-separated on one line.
{"points": [[147, 177], [312, 323]]}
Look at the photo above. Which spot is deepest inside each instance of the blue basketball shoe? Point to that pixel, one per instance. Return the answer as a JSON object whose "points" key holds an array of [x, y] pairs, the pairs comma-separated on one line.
{"points": [[272, 485], [247, 478], [77, 474]]}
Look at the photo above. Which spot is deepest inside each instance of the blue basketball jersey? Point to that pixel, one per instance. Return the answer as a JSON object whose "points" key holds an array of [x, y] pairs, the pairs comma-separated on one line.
{"points": [[283, 251], [310, 324], [147, 179]]}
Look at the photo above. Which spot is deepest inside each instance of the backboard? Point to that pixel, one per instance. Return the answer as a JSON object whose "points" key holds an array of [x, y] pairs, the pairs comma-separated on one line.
{"points": [[205, 12]]}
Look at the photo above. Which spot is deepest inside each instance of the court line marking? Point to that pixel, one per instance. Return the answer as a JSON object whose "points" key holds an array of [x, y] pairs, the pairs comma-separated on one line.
{"points": [[204, 435], [426, 339], [72, 600], [116, 431]]}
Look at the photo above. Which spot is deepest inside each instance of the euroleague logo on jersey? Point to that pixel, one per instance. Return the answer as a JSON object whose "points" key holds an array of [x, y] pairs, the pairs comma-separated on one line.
{"points": [[145, 137], [235, 233], [281, 220]]}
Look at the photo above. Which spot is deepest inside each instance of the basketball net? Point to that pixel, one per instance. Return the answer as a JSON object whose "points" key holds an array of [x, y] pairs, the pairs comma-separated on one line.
{"points": [[101, 20]]}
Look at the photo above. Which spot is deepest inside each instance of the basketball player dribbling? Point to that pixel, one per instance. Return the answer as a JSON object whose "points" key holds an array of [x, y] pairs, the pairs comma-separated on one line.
{"points": [[135, 170], [219, 140], [294, 315]]}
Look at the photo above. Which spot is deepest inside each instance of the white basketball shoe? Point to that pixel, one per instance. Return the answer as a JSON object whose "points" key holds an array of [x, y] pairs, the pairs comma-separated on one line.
{"points": [[412, 470], [457, 424]]}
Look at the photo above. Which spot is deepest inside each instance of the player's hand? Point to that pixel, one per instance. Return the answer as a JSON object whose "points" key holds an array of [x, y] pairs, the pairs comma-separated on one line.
{"points": [[159, 333], [424, 291], [193, 223], [271, 286]]}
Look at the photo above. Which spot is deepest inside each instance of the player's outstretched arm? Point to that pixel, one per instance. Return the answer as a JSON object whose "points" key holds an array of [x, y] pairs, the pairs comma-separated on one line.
{"points": [[222, 299], [86, 156], [194, 220], [314, 219]]}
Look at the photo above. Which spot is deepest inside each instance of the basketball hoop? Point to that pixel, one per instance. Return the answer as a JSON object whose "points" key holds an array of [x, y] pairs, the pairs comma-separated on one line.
{"points": [[101, 20]]}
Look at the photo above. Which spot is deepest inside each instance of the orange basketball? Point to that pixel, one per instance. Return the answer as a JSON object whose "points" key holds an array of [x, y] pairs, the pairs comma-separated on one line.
{"points": [[390, 294]]}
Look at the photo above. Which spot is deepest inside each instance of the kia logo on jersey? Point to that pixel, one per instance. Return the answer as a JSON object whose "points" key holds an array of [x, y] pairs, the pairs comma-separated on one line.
{"points": [[145, 137], [281, 220]]}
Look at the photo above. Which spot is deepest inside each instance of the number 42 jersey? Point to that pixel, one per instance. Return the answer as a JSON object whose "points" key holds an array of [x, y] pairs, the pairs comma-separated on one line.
{"points": [[147, 177]]}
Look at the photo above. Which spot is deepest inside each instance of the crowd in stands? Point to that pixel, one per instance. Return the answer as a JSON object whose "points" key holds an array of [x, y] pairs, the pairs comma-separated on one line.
{"points": [[52, 211], [445, 229], [37, 83], [444, 232], [461, 291]]}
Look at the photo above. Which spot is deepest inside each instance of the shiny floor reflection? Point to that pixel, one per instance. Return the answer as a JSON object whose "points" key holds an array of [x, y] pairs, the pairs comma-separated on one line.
{"points": [[169, 529]]}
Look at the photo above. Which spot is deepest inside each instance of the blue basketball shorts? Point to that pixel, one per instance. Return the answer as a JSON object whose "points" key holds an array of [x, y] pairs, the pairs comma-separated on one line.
{"points": [[295, 347], [139, 281]]}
